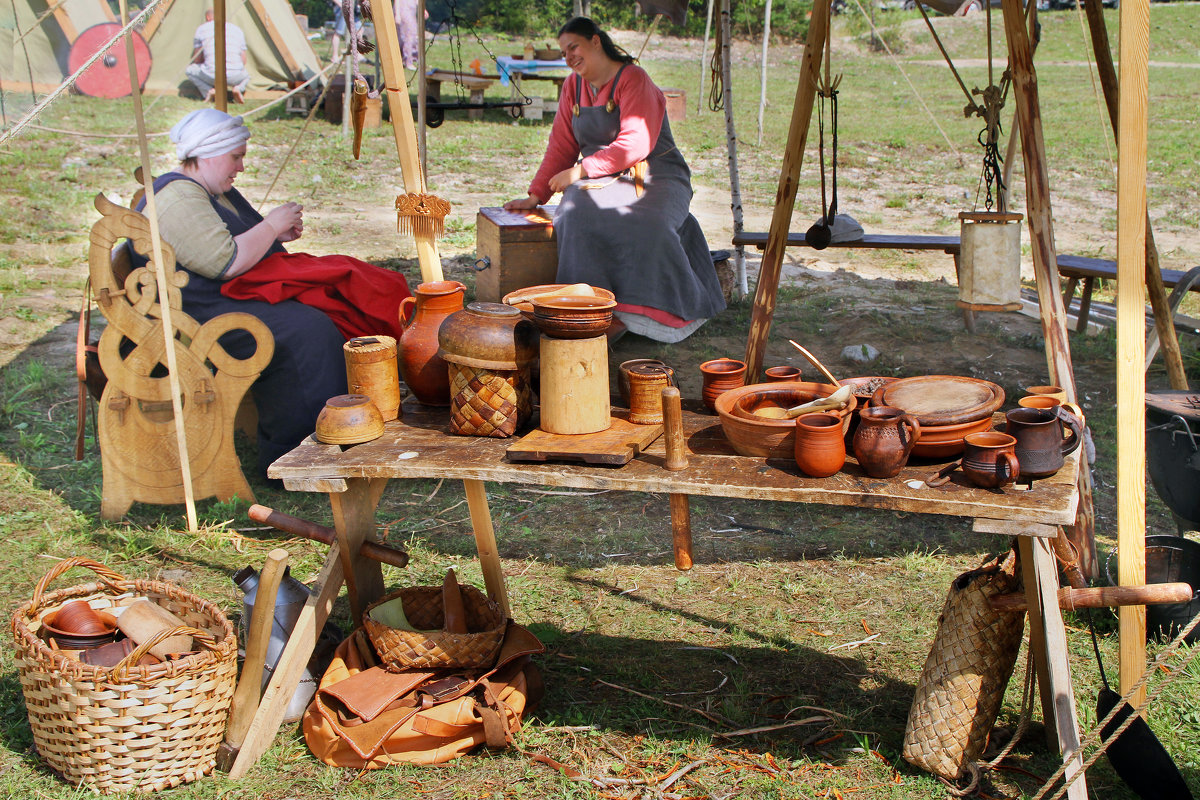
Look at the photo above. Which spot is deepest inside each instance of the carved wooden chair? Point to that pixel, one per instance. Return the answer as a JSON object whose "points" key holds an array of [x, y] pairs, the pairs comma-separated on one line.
{"points": [[135, 421]]}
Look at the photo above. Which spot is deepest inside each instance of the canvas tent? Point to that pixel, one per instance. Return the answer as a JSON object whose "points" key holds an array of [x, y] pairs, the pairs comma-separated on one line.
{"points": [[37, 52]]}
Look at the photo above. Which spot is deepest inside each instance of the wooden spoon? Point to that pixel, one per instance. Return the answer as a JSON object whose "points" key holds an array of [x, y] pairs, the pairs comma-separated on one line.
{"points": [[837, 400], [816, 363]]}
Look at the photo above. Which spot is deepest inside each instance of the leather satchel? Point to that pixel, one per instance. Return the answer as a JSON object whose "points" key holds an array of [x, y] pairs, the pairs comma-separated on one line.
{"points": [[365, 717]]}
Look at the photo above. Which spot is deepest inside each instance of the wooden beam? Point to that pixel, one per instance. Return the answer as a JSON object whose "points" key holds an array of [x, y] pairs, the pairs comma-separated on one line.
{"points": [[268, 24], [485, 544], [220, 85], [785, 194], [1045, 260], [156, 20], [1163, 318], [1134, 39]]}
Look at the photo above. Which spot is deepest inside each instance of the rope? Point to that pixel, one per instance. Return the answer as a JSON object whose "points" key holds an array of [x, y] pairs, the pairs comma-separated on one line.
{"points": [[1094, 735], [716, 88], [916, 94], [1101, 110], [62, 87], [312, 113], [972, 107], [649, 33]]}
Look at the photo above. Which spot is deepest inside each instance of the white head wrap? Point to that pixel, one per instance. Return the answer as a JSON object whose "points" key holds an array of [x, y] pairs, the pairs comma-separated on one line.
{"points": [[208, 132]]}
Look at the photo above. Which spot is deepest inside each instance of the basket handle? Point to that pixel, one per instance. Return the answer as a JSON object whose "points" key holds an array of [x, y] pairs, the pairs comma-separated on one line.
{"points": [[120, 670], [109, 577]]}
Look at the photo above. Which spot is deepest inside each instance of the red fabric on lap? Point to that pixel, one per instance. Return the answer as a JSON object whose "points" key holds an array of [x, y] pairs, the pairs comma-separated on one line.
{"points": [[361, 299]]}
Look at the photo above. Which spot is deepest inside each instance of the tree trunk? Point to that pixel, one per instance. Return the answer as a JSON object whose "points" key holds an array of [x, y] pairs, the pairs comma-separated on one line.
{"points": [[735, 191]]}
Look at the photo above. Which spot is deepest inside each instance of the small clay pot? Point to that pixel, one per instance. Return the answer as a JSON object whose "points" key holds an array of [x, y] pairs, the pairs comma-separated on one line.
{"points": [[820, 446], [349, 419], [573, 316], [720, 375], [1057, 392], [776, 374], [66, 640], [490, 336], [79, 618]]}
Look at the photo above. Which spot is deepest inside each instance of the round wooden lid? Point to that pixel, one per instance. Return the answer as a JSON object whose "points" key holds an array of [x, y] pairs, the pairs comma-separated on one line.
{"points": [[941, 399]]}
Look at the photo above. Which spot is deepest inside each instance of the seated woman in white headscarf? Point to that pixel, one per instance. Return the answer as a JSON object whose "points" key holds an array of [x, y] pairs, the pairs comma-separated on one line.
{"points": [[236, 261]]}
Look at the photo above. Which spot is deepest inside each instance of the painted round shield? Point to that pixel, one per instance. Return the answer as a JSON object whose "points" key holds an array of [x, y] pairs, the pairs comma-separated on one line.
{"points": [[109, 76]]}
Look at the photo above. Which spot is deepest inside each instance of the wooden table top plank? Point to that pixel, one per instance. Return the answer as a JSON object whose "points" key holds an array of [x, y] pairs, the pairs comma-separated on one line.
{"points": [[417, 446]]}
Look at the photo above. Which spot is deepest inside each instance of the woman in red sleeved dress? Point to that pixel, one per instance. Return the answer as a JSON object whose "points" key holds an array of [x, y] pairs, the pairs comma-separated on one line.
{"points": [[623, 222]]}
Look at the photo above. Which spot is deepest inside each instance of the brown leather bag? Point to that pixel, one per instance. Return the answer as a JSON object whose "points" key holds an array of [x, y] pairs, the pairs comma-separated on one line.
{"points": [[366, 717]]}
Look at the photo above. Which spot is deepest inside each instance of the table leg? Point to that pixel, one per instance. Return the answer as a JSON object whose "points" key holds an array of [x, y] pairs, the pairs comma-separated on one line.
{"points": [[485, 543], [1060, 714], [1037, 634], [291, 665], [476, 97], [354, 519], [681, 531]]}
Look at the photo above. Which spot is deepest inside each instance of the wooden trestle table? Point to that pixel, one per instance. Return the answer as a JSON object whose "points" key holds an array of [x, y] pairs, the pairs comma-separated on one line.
{"points": [[418, 446]]}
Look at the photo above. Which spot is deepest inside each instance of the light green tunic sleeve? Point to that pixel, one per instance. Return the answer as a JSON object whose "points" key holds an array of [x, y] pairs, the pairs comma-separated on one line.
{"points": [[189, 223]]}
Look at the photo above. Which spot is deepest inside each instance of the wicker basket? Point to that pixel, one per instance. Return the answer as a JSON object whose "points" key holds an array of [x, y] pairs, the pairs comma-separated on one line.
{"points": [[488, 402], [428, 647], [127, 728], [968, 668]]}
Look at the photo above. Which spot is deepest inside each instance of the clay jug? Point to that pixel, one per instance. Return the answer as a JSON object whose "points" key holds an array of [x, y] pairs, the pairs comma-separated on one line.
{"points": [[884, 438], [423, 370], [820, 448]]}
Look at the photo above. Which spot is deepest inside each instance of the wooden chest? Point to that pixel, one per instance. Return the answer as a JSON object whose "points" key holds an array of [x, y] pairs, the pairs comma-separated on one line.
{"points": [[515, 250]]}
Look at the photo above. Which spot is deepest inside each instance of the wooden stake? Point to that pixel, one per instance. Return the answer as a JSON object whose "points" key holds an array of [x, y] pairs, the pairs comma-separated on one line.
{"points": [[681, 514], [762, 83], [1045, 260], [405, 133], [1133, 41], [785, 195], [485, 544], [1163, 318], [220, 84], [160, 278]]}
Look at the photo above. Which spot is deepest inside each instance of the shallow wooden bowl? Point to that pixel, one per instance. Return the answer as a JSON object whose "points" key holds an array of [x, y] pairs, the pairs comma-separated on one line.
{"points": [[349, 419], [546, 289], [573, 316], [946, 441], [769, 438]]}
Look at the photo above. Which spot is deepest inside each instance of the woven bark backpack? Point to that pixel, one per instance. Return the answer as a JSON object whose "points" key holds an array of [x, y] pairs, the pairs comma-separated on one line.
{"points": [[366, 717]]}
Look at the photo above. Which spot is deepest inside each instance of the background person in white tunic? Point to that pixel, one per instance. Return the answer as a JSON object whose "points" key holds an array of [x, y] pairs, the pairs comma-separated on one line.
{"points": [[203, 70]]}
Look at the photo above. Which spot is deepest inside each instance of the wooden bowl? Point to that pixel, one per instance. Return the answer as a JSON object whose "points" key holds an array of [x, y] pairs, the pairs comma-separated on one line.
{"points": [[548, 289], [573, 316], [946, 441], [349, 419], [69, 640], [769, 438]]}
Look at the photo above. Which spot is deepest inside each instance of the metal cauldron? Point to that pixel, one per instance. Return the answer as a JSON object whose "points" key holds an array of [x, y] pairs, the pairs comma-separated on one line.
{"points": [[1173, 453]]}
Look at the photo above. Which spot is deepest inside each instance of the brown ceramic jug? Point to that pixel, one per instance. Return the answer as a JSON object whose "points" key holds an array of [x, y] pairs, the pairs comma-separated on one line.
{"points": [[884, 438], [1041, 442], [423, 370], [720, 375]]}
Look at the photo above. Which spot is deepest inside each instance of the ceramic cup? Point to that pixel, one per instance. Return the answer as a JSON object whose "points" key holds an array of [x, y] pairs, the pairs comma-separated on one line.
{"points": [[773, 374], [989, 459], [1042, 442], [820, 449], [1049, 404], [721, 375], [1057, 392]]}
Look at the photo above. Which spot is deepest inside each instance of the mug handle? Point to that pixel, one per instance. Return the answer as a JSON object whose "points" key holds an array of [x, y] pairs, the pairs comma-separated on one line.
{"points": [[405, 304], [914, 432], [1007, 468], [1071, 421]]}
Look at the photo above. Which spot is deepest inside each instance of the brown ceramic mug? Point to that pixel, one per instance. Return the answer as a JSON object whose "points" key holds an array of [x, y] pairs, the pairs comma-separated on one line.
{"points": [[1057, 392], [1041, 441], [989, 459], [783, 373]]}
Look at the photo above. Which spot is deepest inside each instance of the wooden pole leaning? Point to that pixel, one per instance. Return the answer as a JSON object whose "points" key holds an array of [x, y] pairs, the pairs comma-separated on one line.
{"points": [[405, 133], [1133, 40], [1039, 215], [221, 84], [1163, 318], [785, 195], [160, 278]]}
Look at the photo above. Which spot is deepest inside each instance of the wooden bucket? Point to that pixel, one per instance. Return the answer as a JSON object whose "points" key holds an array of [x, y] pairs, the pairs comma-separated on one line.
{"points": [[372, 370], [989, 265]]}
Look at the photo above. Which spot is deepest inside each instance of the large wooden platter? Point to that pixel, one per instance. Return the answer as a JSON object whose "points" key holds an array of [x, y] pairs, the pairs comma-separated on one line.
{"points": [[941, 399], [616, 446]]}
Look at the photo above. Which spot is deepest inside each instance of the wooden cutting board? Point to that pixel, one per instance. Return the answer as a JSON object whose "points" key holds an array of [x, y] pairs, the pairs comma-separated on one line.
{"points": [[941, 399], [618, 445]]}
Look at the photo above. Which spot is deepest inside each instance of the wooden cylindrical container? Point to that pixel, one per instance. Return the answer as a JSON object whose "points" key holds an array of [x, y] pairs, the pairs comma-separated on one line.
{"points": [[989, 265], [646, 382], [574, 389], [371, 369]]}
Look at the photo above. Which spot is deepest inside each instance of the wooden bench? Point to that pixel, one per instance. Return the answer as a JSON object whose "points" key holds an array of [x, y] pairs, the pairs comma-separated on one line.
{"points": [[1072, 268], [475, 84]]}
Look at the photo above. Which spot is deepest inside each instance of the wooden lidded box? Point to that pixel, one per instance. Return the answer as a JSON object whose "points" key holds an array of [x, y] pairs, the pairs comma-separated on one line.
{"points": [[516, 249]]}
